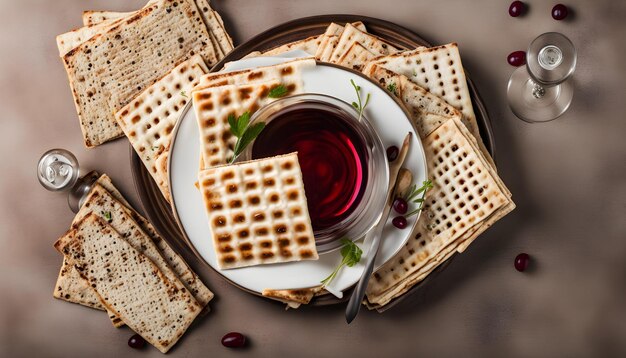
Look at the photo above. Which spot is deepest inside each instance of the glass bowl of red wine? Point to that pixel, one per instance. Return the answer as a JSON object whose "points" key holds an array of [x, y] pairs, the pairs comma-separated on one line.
{"points": [[342, 159]]}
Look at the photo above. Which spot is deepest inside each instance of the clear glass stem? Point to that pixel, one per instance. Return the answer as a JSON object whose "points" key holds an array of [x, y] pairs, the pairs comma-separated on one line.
{"points": [[537, 90]]}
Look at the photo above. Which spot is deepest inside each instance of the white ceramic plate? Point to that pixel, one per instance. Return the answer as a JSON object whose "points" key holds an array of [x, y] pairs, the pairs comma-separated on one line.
{"points": [[392, 125]]}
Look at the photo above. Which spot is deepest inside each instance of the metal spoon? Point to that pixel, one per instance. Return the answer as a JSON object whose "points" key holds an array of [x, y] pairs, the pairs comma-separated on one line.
{"points": [[376, 233]]}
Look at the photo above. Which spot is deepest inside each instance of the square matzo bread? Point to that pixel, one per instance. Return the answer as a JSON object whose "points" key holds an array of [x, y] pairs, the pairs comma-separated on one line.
{"points": [[289, 73], [214, 105], [220, 95], [219, 38], [257, 212], [438, 69]]}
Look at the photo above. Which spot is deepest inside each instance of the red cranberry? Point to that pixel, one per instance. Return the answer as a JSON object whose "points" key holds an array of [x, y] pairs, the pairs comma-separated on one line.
{"points": [[399, 222], [400, 206], [559, 12], [233, 340], [137, 342], [521, 262], [392, 153], [517, 58], [517, 8]]}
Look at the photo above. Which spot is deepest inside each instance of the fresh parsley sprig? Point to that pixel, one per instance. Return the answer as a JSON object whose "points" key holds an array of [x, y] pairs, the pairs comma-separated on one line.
{"points": [[360, 107], [278, 91], [413, 192], [245, 133], [351, 254]]}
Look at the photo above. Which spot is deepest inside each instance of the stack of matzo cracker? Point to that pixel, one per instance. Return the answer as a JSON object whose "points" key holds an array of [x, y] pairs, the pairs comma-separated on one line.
{"points": [[114, 260], [468, 196], [111, 62]]}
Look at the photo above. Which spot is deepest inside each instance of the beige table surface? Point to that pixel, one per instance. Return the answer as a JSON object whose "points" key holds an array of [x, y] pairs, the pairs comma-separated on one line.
{"points": [[568, 179]]}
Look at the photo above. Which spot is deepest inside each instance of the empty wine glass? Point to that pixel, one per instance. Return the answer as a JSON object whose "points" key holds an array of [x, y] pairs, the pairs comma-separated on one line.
{"points": [[57, 170], [541, 91]]}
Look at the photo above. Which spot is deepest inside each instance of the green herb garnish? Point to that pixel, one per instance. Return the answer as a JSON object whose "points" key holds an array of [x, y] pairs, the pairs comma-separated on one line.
{"points": [[351, 254], [107, 216], [392, 88], [414, 73], [413, 192], [182, 93], [359, 106], [278, 91], [245, 134]]}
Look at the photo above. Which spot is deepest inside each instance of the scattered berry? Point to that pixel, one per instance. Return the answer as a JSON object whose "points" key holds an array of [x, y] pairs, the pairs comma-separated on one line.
{"points": [[521, 262], [399, 222], [517, 58], [233, 340], [400, 206], [137, 342], [559, 12], [517, 8]]}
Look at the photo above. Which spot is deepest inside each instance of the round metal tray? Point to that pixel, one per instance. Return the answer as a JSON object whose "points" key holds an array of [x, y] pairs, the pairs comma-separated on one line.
{"points": [[159, 211]]}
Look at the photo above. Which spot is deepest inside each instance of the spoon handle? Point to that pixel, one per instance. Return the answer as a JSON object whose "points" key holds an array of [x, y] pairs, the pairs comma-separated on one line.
{"points": [[354, 304]]}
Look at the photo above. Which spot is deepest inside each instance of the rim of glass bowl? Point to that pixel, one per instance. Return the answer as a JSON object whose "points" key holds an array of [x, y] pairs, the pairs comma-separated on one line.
{"points": [[371, 205]]}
